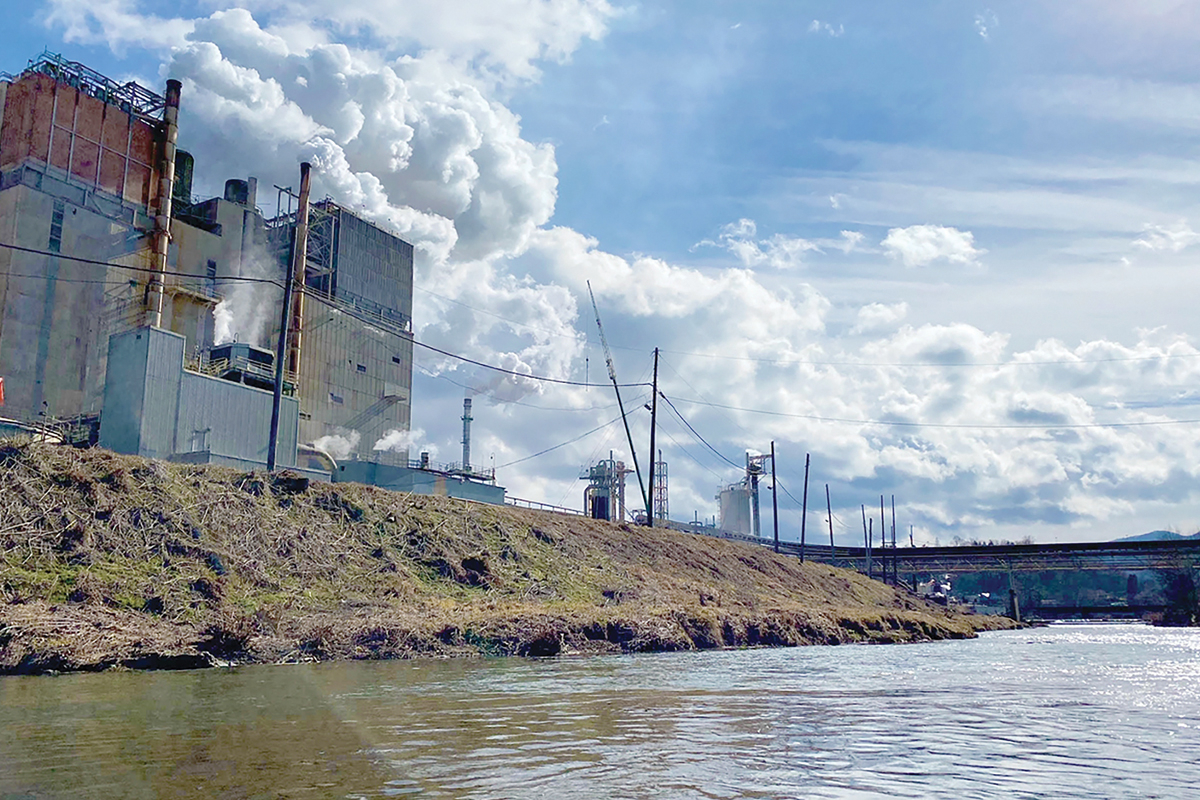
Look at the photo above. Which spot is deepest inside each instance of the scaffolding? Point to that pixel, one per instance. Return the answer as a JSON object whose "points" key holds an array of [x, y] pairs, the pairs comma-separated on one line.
{"points": [[660, 505], [130, 97]]}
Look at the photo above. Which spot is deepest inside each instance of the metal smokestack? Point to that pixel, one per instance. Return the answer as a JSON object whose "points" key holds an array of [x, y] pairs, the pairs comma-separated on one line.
{"points": [[466, 442], [162, 217]]}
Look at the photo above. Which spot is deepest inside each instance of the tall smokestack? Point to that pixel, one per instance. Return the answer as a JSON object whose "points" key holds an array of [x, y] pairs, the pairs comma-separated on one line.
{"points": [[466, 418], [162, 216]]}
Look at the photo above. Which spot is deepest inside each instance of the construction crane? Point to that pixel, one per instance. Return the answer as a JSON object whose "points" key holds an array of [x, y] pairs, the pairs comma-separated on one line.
{"points": [[612, 374]]}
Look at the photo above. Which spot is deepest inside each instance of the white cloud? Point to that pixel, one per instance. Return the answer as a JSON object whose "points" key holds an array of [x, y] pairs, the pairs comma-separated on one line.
{"points": [[985, 23], [776, 251], [876, 317], [816, 26], [1168, 238], [503, 39], [921, 245]]}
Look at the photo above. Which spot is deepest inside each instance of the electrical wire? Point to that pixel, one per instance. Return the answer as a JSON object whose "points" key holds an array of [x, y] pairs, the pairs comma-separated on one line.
{"points": [[61, 279], [930, 364], [93, 262], [318, 298], [540, 378], [448, 379], [687, 453], [697, 434], [563, 444], [949, 425]]}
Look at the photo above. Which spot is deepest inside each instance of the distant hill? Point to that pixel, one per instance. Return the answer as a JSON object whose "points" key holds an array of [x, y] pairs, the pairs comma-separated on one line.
{"points": [[1158, 536]]}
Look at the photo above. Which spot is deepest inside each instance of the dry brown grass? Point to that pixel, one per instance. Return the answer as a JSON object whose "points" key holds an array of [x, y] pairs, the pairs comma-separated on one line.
{"points": [[109, 559]]}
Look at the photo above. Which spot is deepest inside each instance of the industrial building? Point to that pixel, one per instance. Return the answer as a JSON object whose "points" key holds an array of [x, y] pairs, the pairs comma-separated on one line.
{"points": [[106, 255]]}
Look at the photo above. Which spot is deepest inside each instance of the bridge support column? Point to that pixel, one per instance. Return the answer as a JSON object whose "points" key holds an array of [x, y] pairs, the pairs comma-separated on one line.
{"points": [[1014, 605]]}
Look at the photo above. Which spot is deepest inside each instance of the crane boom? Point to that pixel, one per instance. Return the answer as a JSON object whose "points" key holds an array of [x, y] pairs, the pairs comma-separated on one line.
{"points": [[612, 374]]}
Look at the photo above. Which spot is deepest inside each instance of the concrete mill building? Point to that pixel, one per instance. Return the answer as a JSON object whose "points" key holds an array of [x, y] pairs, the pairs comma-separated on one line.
{"points": [[105, 254]]}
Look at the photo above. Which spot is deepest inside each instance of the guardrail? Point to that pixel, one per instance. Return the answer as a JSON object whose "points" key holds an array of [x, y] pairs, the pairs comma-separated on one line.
{"points": [[536, 506]]}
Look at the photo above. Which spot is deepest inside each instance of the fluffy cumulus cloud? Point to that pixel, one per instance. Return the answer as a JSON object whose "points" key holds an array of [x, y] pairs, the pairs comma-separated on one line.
{"points": [[921, 245], [876, 317], [399, 105]]}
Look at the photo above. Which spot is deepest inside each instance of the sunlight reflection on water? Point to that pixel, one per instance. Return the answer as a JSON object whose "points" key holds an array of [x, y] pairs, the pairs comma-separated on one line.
{"points": [[1068, 711]]}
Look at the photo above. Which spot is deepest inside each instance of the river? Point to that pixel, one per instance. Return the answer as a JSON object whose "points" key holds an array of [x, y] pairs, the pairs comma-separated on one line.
{"points": [[1070, 711]]}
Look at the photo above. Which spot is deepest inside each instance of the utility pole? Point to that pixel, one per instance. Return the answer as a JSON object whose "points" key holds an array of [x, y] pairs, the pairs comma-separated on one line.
{"points": [[829, 512], [866, 540], [804, 508], [653, 452], [895, 555], [296, 266], [870, 543], [775, 502], [883, 537]]}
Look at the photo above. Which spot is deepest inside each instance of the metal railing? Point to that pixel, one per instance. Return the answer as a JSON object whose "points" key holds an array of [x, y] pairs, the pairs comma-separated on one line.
{"points": [[536, 506]]}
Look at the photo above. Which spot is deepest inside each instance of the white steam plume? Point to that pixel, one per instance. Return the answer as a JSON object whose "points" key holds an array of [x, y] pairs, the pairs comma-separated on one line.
{"points": [[398, 440], [340, 445], [247, 310]]}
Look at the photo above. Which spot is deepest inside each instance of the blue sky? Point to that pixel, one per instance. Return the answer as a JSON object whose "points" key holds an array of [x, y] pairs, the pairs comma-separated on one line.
{"points": [[899, 236]]}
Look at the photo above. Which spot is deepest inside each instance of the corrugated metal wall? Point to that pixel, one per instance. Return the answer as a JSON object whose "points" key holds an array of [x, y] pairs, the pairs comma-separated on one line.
{"points": [[153, 408]]}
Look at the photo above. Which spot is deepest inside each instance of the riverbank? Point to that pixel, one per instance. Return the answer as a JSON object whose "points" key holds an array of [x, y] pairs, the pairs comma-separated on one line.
{"points": [[116, 561]]}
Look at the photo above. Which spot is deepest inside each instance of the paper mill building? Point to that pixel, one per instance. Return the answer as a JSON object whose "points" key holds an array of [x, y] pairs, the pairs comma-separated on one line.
{"points": [[105, 254]]}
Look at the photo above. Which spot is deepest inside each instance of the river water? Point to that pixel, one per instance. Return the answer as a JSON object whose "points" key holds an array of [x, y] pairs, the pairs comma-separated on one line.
{"points": [[1084, 711]]}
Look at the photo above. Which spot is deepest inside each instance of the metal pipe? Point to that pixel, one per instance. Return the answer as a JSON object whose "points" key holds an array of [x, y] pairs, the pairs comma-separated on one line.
{"points": [[162, 217], [299, 256]]}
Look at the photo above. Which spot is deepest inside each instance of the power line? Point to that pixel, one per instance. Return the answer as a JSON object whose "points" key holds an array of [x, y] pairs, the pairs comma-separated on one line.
{"points": [[563, 444], [448, 379], [315, 296], [930, 364], [950, 425], [696, 434], [94, 262], [687, 453]]}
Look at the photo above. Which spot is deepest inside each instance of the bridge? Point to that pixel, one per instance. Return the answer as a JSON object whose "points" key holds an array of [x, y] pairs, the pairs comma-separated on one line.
{"points": [[1171, 554], [1174, 554]]}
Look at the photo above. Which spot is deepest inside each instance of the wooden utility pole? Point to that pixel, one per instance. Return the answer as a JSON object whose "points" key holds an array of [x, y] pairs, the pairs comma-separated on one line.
{"points": [[866, 540], [296, 266], [653, 424], [883, 537], [804, 508], [870, 542], [829, 513], [895, 555]]}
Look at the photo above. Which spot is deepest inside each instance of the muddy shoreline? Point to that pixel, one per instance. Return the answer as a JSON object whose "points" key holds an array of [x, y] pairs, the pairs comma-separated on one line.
{"points": [[110, 561]]}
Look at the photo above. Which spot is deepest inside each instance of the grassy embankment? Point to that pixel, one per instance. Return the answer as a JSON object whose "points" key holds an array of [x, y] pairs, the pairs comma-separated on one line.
{"points": [[109, 560]]}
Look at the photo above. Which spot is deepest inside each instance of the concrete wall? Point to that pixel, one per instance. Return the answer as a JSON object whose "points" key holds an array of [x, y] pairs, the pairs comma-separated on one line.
{"points": [[407, 479], [56, 313], [154, 408]]}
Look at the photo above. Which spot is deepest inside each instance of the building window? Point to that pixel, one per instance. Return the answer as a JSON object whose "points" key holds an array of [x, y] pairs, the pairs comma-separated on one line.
{"points": [[335, 398], [362, 368], [395, 359]]}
